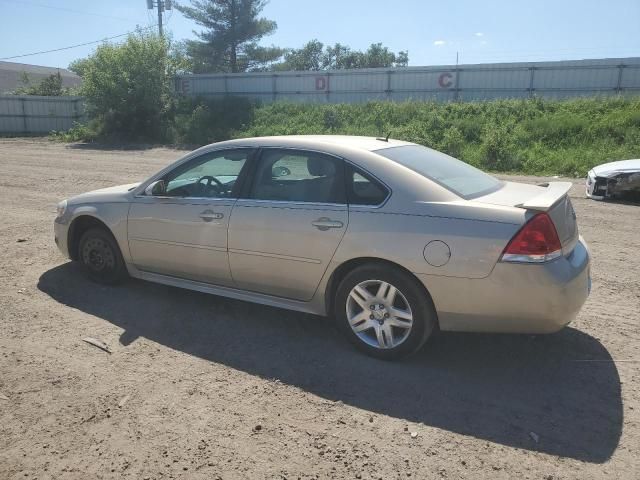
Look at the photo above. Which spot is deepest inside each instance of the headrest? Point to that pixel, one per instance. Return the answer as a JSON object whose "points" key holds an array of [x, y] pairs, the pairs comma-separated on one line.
{"points": [[321, 167]]}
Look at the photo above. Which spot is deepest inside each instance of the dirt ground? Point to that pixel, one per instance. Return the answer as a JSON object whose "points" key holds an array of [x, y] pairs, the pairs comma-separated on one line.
{"points": [[201, 387]]}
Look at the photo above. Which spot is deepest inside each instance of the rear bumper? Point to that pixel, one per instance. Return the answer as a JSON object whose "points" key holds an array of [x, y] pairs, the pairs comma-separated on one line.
{"points": [[515, 298]]}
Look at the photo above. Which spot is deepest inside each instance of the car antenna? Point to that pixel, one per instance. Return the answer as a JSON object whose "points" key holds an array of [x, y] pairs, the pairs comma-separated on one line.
{"points": [[384, 139]]}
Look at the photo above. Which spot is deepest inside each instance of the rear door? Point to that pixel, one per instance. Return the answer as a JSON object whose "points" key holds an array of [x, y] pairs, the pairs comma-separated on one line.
{"points": [[286, 229]]}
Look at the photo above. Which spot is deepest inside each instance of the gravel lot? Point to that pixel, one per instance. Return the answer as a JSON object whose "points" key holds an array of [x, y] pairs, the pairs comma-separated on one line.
{"points": [[201, 387]]}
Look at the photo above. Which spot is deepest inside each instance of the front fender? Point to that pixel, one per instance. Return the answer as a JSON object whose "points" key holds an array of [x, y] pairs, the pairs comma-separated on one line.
{"points": [[112, 215]]}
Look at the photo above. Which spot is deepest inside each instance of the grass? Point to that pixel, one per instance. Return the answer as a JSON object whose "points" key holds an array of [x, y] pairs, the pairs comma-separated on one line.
{"points": [[531, 136]]}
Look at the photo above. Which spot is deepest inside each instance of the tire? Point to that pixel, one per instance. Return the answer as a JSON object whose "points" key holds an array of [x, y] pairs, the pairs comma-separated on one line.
{"points": [[100, 257], [385, 330]]}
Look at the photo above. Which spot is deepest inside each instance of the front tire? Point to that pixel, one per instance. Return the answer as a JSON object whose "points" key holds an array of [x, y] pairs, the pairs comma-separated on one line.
{"points": [[384, 311], [100, 257]]}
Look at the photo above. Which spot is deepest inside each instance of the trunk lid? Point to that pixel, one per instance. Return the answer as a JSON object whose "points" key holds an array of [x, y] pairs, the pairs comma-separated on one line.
{"points": [[549, 197]]}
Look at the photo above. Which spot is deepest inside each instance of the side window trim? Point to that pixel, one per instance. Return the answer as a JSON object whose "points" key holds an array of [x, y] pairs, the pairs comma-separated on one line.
{"points": [[254, 162]]}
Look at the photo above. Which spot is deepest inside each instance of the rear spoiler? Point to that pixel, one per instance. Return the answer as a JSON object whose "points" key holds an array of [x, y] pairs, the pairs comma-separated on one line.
{"points": [[547, 199]]}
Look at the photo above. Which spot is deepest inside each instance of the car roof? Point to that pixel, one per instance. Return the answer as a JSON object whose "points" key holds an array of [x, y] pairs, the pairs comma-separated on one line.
{"points": [[319, 141], [362, 151]]}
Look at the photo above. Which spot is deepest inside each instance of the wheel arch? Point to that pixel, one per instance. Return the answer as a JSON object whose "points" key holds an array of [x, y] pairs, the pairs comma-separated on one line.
{"points": [[78, 227], [348, 266]]}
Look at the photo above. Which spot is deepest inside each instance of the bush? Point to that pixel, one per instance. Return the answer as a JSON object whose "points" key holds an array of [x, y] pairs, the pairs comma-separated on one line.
{"points": [[127, 88], [452, 142], [50, 86], [531, 136], [200, 121], [80, 132]]}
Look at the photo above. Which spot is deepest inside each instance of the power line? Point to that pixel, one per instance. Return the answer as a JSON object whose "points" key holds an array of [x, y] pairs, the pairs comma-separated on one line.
{"points": [[31, 4], [74, 46]]}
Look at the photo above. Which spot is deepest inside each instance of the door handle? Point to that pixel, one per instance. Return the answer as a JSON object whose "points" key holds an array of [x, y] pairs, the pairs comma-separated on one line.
{"points": [[210, 215], [325, 223]]}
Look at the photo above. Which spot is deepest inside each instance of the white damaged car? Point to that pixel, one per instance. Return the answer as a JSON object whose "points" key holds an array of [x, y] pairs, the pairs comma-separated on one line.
{"points": [[614, 180]]}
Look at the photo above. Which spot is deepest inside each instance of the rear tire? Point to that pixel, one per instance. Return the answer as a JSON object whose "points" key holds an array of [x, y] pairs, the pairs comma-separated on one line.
{"points": [[100, 257], [384, 311]]}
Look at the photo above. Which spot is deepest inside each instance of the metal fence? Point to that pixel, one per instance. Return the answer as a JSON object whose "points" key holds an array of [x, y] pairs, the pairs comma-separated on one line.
{"points": [[30, 114], [620, 76], [26, 114]]}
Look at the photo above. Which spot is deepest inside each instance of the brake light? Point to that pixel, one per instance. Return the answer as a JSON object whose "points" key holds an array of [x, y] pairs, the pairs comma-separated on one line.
{"points": [[536, 242]]}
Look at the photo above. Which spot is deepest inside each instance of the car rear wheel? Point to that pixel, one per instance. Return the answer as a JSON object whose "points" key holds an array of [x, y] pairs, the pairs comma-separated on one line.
{"points": [[384, 312], [100, 257]]}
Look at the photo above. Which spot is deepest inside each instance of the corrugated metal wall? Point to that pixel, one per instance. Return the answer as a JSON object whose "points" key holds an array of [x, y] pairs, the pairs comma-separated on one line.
{"points": [[33, 114], [30, 114], [441, 83]]}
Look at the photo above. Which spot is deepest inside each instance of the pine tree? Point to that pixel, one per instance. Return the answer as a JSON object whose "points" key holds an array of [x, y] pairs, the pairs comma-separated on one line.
{"points": [[230, 35]]}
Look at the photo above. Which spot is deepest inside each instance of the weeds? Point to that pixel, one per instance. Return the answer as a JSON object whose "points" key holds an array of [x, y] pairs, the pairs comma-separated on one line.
{"points": [[532, 136]]}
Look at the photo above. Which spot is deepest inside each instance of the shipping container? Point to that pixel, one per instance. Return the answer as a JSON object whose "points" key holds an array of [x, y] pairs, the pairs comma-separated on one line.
{"points": [[562, 79]]}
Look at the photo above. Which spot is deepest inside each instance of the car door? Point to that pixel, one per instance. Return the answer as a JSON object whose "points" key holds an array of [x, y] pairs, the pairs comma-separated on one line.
{"points": [[285, 230], [181, 228]]}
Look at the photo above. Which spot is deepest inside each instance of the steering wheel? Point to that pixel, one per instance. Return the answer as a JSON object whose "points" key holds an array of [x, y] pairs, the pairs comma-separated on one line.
{"points": [[219, 186]]}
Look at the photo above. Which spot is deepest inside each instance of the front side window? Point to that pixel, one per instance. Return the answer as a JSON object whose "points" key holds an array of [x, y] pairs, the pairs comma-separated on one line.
{"points": [[298, 176], [212, 175], [455, 175]]}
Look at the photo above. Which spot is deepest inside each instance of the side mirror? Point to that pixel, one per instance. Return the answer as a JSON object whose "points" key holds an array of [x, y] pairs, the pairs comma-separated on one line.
{"points": [[156, 188]]}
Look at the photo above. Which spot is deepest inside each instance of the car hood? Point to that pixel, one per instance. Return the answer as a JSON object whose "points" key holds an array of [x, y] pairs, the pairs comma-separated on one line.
{"points": [[119, 193], [614, 168]]}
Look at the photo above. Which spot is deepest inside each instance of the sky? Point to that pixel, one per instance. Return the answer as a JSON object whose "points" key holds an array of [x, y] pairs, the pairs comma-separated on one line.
{"points": [[432, 31]]}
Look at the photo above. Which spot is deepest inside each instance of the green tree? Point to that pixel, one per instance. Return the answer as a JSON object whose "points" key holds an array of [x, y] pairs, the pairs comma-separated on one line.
{"points": [[377, 56], [315, 56], [340, 57], [310, 57], [50, 86], [127, 87], [229, 41]]}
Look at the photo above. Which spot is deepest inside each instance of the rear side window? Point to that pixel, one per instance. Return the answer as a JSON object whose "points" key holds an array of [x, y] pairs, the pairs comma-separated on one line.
{"points": [[362, 189], [298, 176], [455, 175]]}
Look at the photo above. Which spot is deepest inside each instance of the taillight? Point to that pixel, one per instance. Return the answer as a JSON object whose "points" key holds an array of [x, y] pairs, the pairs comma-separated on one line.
{"points": [[536, 242]]}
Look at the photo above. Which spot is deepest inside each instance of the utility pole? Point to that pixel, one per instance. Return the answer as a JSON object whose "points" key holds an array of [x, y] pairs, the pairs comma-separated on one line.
{"points": [[161, 5], [160, 8]]}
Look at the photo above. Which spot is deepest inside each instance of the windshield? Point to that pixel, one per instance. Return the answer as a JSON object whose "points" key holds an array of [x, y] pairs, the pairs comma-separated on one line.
{"points": [[455, 175]]}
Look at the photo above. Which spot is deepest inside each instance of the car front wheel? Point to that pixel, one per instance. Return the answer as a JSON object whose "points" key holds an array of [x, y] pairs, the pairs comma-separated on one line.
{"points": [[384, 312], [100, 257]]}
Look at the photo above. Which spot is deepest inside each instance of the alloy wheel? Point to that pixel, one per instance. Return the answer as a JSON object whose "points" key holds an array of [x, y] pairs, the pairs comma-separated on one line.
{"points": [[379, 314]]}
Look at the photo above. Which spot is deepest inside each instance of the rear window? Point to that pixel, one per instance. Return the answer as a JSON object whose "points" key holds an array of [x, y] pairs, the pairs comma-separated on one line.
{"points": [[455, 175]]}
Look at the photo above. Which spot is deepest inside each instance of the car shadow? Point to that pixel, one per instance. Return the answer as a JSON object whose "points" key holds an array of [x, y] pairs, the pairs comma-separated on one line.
{"points": [[629, 199], [535, 393]]}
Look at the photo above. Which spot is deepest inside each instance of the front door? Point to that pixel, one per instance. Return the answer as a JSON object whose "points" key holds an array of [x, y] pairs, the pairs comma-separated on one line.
{"points": [[283, 236], [181, 230]]}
